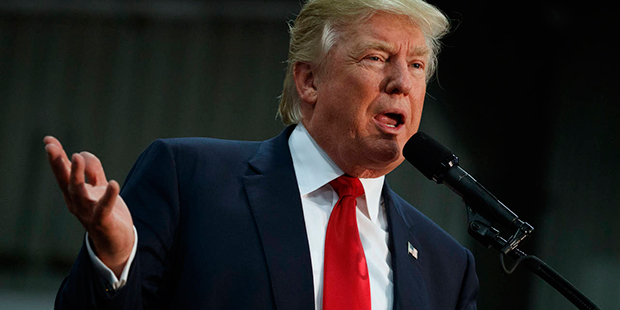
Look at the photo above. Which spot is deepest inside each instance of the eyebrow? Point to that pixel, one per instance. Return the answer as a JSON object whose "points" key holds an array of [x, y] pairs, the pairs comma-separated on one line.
{"points": [[389, 48]]}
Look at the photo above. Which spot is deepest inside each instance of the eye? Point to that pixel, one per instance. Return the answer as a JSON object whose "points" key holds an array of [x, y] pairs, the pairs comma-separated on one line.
{"points": [[374, 58], [374, 61], [417, 65]]}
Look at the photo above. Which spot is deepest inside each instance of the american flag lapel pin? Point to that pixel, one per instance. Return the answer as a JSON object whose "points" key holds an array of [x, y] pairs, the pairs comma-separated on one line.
{"points": [[412, 251]]}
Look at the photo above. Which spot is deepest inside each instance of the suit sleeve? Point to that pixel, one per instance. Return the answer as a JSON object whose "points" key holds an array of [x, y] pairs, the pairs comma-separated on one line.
{"points": [[470, 285], [151, 193]]}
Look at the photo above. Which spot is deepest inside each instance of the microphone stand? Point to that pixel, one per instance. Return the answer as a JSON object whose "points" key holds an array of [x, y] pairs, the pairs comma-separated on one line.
{"points": [[480, 228]]}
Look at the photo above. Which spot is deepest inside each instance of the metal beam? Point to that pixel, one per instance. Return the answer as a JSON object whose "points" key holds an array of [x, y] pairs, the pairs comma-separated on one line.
{"points": [[163, 9]]}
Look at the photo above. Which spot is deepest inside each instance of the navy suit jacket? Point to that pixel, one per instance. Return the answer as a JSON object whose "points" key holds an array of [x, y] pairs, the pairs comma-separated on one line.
{"points": [[220, 226]]}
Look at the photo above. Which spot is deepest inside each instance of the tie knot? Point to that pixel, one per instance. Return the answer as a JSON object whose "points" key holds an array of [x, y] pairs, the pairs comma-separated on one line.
{"points": [[347, 186]]}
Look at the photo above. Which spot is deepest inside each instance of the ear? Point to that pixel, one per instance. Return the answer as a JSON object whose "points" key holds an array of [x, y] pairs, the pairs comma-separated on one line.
{"points": [[305, 81]]}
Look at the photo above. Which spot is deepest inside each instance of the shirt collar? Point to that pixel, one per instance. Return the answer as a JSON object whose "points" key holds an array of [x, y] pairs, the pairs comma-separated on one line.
{"points": [[314, 169]]}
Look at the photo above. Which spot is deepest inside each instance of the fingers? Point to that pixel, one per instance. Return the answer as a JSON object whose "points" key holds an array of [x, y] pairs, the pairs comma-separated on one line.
{"points": [[58, 161], [51, 140], [53, 147], [61, 165], [75, 188], [93, 169], [104, 207], [76, 176], [72, 176]]}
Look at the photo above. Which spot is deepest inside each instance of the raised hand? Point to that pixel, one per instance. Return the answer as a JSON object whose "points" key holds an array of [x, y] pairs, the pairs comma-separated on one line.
{"points": [[95, 202]]}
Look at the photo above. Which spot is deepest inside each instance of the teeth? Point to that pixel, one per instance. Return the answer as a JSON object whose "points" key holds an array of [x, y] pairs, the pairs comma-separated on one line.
{"points": [[391, 126]]}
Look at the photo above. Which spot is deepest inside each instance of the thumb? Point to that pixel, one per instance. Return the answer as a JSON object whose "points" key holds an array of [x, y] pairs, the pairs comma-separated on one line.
{"points": [[106, 202]]}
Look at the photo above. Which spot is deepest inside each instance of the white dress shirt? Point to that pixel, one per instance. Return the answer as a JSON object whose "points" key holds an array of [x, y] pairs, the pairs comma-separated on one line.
{"points": [[314, 170]]}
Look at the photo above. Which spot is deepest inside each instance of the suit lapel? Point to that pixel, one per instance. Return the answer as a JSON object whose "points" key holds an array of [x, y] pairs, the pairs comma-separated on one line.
{"points": [[274, 198], [409, 288]]}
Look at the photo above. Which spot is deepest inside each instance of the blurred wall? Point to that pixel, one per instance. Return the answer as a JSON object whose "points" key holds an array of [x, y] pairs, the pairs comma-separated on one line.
{"points": [[526, 96]]}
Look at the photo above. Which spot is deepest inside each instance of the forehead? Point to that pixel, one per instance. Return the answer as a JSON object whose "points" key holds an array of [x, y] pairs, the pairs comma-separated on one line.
{"points": [[386, 31]]}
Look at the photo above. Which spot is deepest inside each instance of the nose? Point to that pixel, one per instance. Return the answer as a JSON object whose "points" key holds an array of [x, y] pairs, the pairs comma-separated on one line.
{"points": [[399, 79]]}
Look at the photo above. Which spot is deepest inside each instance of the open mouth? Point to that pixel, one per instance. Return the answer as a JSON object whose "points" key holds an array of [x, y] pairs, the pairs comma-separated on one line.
{"points": [[390, 120]]}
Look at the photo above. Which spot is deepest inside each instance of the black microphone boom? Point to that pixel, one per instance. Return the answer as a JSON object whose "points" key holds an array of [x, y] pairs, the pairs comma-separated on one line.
{"points": [[439, 164]]}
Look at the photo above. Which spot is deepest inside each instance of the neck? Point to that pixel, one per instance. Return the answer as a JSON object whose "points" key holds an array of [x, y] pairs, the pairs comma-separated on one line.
{"points": [[351, 167]]}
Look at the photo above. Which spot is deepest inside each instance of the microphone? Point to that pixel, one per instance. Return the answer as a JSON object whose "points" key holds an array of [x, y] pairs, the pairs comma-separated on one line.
{"points": [[438, 163]]}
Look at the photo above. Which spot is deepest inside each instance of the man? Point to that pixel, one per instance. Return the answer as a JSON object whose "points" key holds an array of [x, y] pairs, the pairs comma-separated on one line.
{"points": [[248, 225]]}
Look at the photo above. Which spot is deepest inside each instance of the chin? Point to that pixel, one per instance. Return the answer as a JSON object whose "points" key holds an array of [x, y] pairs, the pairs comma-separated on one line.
{"points": [[376, 169], [386, 154]]}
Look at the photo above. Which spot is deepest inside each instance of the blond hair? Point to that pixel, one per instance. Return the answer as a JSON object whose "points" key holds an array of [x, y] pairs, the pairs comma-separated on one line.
{"points": [[320, 23]]}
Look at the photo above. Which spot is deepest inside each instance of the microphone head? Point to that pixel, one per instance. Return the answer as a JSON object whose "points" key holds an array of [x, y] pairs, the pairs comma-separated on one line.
{"points": [[429, 156]]}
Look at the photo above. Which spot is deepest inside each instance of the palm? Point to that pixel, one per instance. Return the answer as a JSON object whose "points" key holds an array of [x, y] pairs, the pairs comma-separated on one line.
{"points": [[117, 222]]}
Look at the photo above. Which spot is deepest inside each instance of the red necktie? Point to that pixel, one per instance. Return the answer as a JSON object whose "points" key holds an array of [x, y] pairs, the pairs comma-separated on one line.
{"points": [[345, 283]]}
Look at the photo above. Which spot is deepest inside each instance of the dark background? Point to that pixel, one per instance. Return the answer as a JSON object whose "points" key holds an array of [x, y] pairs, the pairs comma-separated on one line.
{"points": [[526, 95]]}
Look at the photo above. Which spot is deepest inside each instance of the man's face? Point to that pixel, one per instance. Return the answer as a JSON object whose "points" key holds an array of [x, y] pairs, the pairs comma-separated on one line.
{"points": [[369, 95]]}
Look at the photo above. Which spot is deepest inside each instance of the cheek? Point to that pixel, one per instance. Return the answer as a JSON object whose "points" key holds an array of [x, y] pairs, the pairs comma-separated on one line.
{"points": [[415, 115], [417, 102], [350, 101], [416, 112]]}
